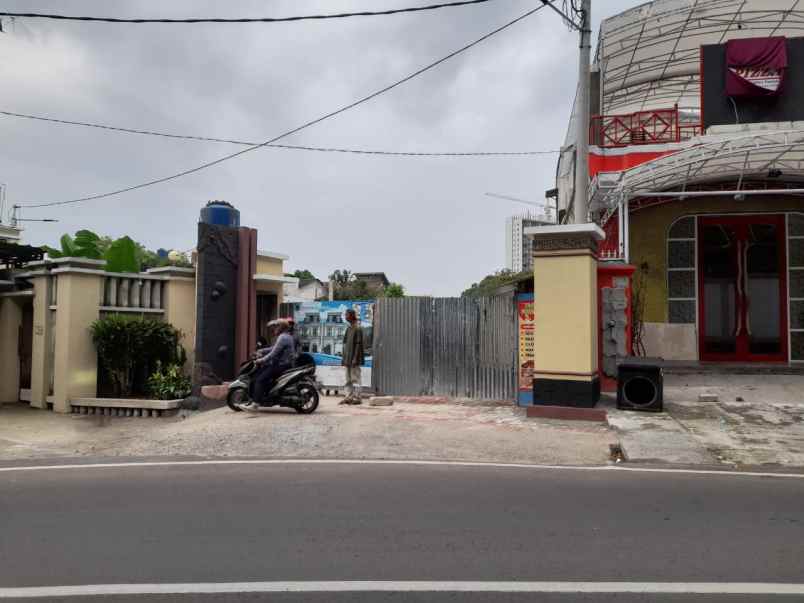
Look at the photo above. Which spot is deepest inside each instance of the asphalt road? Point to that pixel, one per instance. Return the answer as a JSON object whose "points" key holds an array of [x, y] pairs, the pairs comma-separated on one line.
{"points": [[339, 523]]}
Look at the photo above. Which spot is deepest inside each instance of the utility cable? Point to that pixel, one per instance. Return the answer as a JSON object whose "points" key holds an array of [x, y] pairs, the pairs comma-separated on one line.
{"points": [[393, 11], [304, 126], [281, 146]]}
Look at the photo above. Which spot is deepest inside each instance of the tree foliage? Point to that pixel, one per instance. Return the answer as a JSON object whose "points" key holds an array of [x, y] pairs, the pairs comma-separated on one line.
{"points": [[348, 287], [394, 290], [492, 282], [302, 275], [121, 255], [131, 349]]}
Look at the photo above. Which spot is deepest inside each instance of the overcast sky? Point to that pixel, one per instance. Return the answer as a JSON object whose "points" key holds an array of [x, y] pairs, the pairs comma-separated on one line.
{"points": [[423, 221]]}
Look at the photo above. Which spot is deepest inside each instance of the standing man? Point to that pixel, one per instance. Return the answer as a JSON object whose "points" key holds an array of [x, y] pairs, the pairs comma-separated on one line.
{"points": [[352, 358]]}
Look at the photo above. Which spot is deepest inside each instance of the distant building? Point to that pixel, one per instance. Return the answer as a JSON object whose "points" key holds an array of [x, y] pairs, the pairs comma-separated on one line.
{"points": [[374, 280], [518, 247], [306, 290]]}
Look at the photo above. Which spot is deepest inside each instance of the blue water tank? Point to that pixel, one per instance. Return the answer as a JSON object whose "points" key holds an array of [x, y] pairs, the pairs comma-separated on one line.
{"points": [[220, 213]]}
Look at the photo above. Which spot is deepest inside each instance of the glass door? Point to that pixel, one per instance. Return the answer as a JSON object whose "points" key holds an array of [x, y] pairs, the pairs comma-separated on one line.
{"points": [[742, 288]]}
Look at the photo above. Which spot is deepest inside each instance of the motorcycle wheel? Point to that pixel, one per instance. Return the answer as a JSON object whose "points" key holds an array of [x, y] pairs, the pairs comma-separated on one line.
{"points": [[236, 397], [309, 396]]}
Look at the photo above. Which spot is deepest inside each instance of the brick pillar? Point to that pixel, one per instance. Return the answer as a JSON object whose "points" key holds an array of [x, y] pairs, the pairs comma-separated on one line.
{"points": [[566, 315]]}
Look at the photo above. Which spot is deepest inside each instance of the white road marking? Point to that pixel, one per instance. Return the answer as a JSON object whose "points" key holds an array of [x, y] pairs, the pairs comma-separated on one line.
{"points": [[684, 588], [592, 468]]}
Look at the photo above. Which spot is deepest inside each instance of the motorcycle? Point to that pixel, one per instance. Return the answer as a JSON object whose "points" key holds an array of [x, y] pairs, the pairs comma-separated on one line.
{"points": [[295, 388]]}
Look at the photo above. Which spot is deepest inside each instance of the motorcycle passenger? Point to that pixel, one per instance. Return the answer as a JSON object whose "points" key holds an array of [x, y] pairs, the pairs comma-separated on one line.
{"points": [[273, 361], [296, 339]]}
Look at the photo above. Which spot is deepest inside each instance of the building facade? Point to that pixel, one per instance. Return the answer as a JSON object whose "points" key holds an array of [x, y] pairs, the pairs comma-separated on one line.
{"points": [[519, 246], [47, 356], [696, 149]]}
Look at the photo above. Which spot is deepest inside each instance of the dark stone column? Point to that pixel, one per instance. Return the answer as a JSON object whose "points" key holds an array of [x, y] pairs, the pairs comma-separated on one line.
{"points": [[216, 305]]}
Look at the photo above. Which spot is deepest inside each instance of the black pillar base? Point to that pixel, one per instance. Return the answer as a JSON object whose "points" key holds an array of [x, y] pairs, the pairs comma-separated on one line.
{"points": [[565, 392]]}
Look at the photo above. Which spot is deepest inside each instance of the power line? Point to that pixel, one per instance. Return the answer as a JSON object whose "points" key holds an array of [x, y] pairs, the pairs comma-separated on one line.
{"points": [[282, 146], [393, 11], [312, 122]]}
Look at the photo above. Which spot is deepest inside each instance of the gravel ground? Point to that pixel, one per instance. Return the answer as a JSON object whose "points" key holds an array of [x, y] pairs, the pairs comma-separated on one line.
{"points": [[455, 431]]}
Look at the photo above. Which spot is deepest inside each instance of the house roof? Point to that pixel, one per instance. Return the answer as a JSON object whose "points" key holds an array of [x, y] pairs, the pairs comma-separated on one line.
{"points": [[16, 256], [309, 281], [370, 275]]}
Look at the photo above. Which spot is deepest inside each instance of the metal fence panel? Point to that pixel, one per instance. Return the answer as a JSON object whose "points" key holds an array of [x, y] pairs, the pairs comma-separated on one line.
{"points": [[457, 347]]}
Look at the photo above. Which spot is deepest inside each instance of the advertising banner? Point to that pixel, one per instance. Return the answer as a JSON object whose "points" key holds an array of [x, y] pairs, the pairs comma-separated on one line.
{"points": [[321, 326], [525, 364], [755, 66]]}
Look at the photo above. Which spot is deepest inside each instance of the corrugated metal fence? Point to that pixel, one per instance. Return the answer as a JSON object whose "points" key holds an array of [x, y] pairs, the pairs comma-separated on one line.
{"points": [[459, 347]]}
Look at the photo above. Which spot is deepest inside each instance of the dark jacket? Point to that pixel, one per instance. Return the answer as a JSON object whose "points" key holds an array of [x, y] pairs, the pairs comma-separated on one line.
{"points": [[353, 352]]}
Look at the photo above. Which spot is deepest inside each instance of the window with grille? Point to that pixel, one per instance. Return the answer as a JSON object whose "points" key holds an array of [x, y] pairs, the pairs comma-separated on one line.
{"points": [[681, 253], [795, 283]]}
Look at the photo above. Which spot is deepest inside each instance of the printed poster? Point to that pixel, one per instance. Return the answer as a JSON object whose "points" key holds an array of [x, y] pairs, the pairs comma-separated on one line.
{"points": [[525, 366]]}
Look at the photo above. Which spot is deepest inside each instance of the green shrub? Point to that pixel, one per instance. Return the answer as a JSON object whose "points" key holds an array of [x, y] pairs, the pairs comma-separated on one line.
{"points": [[168, 383], [130, 349]]}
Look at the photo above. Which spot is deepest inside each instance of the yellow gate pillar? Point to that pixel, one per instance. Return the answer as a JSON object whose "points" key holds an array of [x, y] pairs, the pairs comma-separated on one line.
{"points": [[566, 314], [42, 344], [78, 298]]}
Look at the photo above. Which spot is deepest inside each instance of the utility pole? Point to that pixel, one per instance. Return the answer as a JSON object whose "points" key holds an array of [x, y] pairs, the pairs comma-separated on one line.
{"points": [[581, 203]]}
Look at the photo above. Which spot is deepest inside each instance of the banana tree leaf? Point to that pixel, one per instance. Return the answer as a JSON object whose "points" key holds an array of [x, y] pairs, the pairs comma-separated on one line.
{"points": [[122, 256], [87, 244]]}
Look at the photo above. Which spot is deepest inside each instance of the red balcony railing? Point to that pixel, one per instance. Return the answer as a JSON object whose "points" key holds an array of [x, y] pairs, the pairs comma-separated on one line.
{"points": [[643, 127]]}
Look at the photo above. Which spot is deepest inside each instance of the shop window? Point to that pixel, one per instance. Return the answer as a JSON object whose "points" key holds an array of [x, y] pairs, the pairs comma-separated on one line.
{"points": [[681, 294], [683, 228], [797, 314], [796, 245], [797, 345], [795, 283], [796, 225], [681, 254], [681, 311], [681, 284]]}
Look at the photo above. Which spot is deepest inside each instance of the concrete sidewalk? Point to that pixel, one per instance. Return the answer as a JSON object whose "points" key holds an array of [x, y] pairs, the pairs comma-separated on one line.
{"points": [[757, 420]]}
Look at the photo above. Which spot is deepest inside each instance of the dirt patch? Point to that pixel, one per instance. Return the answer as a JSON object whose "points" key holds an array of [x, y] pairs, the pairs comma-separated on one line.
{"points": [[473, 432]]}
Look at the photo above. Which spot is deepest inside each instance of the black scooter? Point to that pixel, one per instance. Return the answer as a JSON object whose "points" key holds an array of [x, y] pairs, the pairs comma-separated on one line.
{"points": [[295, 388]]}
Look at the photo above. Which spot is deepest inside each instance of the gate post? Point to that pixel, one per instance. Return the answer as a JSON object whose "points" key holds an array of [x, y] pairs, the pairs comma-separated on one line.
{"points": [[10, 323], [566, 315], [78, 299]]}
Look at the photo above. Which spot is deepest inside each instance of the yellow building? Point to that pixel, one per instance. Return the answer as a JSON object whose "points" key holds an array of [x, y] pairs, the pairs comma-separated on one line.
{"points": [[47, 356]]}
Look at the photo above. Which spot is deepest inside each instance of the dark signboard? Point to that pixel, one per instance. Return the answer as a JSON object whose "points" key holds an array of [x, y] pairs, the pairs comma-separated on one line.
{"points": [[755, 66], [757, 80]]}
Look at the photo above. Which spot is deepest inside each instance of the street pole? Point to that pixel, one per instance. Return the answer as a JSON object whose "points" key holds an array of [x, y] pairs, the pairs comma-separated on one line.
{"points": [[581, 204]]}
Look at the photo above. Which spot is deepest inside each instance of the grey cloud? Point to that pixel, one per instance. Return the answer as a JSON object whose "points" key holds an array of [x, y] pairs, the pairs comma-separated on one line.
{"points": [[424, 221]]}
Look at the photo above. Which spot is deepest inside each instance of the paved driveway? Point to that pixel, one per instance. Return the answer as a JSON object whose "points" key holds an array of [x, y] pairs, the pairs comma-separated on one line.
{"points": [[756, 420]]}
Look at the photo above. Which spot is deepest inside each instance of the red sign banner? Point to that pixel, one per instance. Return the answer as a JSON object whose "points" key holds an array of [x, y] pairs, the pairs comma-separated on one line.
{"points": [[755, 66], [526, 345]]}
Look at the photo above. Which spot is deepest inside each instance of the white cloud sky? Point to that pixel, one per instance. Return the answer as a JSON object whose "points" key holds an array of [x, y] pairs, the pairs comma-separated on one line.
{"points": [[424, 221]]}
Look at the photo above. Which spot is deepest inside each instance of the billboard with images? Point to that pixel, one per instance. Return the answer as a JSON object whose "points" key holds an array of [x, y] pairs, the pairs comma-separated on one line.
{"points": [[321, 326]]}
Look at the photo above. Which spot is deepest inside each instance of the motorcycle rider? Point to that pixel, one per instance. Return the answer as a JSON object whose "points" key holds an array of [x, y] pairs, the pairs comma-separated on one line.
{"points": [[273, 361]]}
